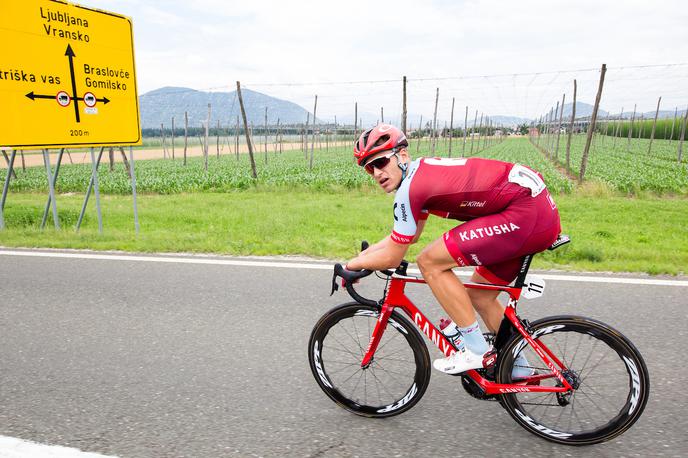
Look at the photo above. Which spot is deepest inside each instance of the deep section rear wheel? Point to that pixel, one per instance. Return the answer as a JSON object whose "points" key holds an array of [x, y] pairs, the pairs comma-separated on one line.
{"points": [[610, 380], [395, 380]]}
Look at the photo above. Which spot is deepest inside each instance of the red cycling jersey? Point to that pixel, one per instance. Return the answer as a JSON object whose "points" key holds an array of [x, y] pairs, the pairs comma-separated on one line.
{"points": [[509, 211]]}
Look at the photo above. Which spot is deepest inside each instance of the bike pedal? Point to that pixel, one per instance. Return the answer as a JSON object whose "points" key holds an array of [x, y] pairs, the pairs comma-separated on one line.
{"points": [[489, 359]]}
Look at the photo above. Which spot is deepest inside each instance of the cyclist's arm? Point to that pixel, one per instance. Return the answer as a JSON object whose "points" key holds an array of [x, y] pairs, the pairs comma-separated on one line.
{"points": [[388, 255], [395, 251], [419, 229]]}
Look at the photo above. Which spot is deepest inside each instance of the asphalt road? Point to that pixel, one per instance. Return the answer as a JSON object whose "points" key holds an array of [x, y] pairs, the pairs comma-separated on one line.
{"points": [[141, 359]]}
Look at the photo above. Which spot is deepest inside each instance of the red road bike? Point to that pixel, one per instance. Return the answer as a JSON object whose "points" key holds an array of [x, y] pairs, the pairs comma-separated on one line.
{"points": [[589, 383]]}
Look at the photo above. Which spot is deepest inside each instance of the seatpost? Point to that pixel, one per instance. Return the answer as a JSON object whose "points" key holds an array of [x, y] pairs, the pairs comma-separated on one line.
{"points": [[521, 279]]}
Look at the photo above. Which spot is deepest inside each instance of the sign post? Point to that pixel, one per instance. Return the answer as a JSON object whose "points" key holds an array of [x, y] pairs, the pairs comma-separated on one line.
{"points": [[67, 78]]}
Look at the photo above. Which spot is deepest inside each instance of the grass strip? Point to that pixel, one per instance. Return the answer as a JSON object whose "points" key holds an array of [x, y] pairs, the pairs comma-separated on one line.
{"points": [[609, 233]]}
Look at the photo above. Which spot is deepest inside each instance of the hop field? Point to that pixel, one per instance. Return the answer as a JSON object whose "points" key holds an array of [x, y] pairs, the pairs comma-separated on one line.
{"points": [[332, 171], [629, 169]]}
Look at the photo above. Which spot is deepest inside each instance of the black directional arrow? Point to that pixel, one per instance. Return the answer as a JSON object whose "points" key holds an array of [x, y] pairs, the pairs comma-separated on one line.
{"points": [[33, 96], [70, 53], [104, 99]]}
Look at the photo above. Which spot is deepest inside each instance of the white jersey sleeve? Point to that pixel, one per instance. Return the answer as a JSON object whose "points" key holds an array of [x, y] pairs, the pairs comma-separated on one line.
{"points": [[405, 225]]}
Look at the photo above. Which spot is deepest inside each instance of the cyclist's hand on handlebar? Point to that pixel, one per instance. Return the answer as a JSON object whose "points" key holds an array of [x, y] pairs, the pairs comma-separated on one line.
{"points": [[348, 271]]}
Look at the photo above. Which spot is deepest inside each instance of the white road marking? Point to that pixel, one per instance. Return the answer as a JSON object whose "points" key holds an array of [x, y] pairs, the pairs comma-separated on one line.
{"points": [[11, 447], [191, 259]]}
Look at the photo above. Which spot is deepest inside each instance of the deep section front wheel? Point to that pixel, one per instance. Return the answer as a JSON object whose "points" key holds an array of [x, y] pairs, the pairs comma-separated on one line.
{"points": [[396, 378], [610, 380]]}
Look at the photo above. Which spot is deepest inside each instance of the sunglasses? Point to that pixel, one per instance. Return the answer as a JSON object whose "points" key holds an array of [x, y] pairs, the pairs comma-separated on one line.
{"points": [[379, 163]]}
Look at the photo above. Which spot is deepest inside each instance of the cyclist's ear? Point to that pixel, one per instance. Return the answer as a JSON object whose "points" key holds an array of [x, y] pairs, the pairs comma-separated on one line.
{"points": [[404, 155]]}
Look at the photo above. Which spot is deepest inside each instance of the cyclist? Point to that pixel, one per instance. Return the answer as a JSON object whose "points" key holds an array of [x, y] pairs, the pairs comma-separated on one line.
{"points": [[509, 213]]}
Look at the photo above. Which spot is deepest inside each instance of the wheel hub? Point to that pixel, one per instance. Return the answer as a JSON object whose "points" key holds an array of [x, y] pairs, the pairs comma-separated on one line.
{"points": [[572, 378]]}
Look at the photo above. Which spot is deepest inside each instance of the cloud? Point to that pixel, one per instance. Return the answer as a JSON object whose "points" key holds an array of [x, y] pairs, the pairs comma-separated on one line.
{"points": [[212, 43]]}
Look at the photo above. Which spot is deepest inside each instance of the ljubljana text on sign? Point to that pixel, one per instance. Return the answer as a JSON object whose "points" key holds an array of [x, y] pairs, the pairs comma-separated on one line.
{"points": [[67, 77]]}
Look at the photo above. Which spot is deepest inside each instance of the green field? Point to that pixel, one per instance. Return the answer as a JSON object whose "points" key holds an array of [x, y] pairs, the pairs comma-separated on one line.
{"points": [[331, 171], [629, 170], [613, 234], [325, 212]]}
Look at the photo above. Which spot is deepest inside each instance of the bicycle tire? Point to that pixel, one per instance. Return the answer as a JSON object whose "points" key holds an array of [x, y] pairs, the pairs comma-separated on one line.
{"points": [[400, 368], [624, 368]]}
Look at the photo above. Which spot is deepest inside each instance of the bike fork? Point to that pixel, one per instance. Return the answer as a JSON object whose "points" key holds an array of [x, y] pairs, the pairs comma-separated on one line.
{"points": [[380, 326]]}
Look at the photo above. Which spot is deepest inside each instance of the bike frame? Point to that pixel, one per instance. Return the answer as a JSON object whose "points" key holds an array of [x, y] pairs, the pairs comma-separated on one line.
{"points": [[396, 298]]}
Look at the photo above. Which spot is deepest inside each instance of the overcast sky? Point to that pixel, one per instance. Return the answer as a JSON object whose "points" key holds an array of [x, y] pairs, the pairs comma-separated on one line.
{"points": [[500, 57]]}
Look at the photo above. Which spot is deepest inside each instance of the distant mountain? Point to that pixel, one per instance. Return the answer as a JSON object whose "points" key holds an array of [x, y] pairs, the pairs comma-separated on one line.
{"points": [[159, 106], [509, 121], [583, 110]]}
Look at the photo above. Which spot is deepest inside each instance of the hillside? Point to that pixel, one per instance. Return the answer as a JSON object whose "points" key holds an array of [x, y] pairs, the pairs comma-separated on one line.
{"points": [[160, 105]]}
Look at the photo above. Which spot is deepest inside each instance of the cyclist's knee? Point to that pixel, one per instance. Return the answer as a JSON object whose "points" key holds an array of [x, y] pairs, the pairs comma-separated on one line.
{"points": [[430, 264]]}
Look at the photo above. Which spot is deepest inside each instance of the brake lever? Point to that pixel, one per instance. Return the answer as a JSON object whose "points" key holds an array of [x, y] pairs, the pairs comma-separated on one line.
{"points": [[335, 286]]}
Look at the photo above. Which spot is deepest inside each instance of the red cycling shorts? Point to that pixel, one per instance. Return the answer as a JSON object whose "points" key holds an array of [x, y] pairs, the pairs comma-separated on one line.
{"points": [[498, 243]]}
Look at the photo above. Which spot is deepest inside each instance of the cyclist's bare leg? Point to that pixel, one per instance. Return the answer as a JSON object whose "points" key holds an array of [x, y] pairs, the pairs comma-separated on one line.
{"points": [[435, 264], [486, 303]]}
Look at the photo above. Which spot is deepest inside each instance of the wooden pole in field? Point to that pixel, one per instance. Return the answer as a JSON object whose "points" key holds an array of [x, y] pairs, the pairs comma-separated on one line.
{"points": [[541, 130], [334, 139], [172, 140], [465, 132], [162, 141], [217, 142], [630, 128], [654, 127], [420, 133], [236, 138], [552, 120], [355, 121], [248, 139], [641, 126], [451, 126], [205, 142], [571, 126], [561, 118], [434, 124], [475, 121], [617, 127], [186, 133], [683, 136], [315, 108], [480, 133], [591, 128], [305, 136], [403, 109], [671, 137], [265, 126], [281, 140]]}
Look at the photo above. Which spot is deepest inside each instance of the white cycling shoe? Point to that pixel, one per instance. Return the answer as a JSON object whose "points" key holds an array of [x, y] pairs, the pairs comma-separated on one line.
{"points": [[461, 361]]}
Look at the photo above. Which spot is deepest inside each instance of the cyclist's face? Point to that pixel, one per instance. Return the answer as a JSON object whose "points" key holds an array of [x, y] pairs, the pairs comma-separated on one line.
{"points": [[388, 176]]}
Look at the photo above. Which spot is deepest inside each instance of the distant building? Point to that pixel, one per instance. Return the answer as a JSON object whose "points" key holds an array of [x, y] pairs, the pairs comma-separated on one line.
{"points": [[533, 132]]}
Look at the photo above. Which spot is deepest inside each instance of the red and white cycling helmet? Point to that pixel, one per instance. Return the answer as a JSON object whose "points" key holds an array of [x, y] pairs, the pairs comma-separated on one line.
{"points": [[383, 137]]}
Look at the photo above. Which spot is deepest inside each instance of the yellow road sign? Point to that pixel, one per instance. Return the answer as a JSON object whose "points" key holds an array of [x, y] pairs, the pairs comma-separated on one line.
{"points": [[67, 76]]}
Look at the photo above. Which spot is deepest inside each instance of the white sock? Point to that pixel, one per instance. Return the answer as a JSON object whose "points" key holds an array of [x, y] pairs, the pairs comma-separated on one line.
{"points": [[474, 339]]}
